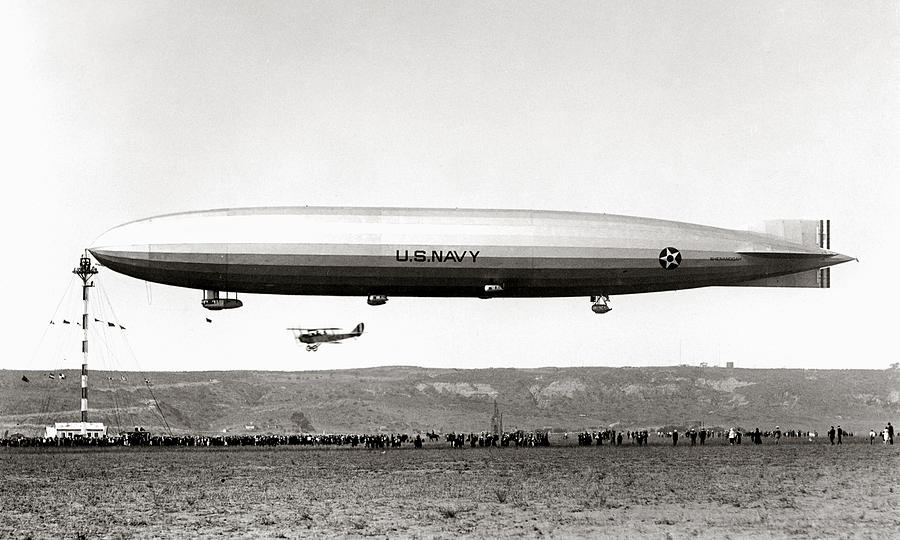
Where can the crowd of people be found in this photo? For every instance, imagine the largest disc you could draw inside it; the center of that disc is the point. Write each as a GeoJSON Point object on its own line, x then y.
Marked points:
{"type": "Point", "coordinates": [485, 439]}
{"type": "Point", "coordinates": [733, 435]}
{"type": "Point", "coordinates": [887, 435]}
{"type": "Point", "coordinates": [145, 438]}
{"type": "Point", "coordinates": [520, 438]}
{"type": "Point", "coordinates": [611, 437]}
{"type": "Point", "coordinates": [140, 437]}
{"type": "Point", "coordinates": [694, 435]}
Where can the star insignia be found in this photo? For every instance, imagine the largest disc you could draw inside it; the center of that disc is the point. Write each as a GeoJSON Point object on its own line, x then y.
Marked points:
{"type": "Point", "coordinates": [669, 258]}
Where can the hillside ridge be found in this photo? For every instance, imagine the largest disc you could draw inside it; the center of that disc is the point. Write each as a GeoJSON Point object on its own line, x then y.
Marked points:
{"type": "Point", "coordinates": [409, 398]}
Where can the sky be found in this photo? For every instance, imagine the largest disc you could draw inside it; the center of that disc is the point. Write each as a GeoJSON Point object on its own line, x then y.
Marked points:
{"type": "Point", "coordinates": [704, 112]}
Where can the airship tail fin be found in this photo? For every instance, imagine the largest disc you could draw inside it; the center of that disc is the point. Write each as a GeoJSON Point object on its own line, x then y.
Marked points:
{"type": "Point", "coordinates": [806, 232]}
{"type": "Point", "coordinates": [810, 279]}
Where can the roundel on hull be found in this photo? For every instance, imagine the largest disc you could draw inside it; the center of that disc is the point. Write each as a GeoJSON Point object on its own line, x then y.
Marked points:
{"type": "Point", "coordinates": [669, 258]}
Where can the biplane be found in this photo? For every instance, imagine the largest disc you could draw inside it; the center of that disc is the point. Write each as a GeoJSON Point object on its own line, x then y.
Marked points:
{"type": "Point", "coordinates": [313, 337]}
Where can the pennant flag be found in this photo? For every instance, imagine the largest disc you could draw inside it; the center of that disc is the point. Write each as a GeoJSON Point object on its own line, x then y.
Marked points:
{"type": "Point", "coordinates": [62, 375]}
{"type": "Point", "coordinates": [66, 322]}
{"type": "Point", "coordinates": [97, 320]}
{"type": "Point", "coordinates": [122, 327]}
{"type": "Point", "coordinates": [51, 322]}
{"type": "Point", "coordinates": [51, 376]}
{"type": "Point", "coordinates": [78, 323]}
{"type": "Point", "coordinates": [124, 378]}
{"type": "Point", "coordinates": [25, 379]}
{"type": "Point", "coordinates": [208, 319]}
{"type": "Point", "coordinates": [110, 324]}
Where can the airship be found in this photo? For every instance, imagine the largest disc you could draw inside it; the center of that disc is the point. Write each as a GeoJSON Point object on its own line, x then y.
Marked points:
{"type": "Point", "coordinates": [378, 253]}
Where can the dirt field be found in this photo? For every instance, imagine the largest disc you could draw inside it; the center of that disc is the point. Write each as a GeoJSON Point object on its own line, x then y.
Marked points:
{"type": "Point", "coordinates": [798, 490]}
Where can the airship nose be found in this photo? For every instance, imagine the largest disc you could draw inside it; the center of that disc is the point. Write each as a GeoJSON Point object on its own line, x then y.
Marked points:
{"type": "Point", "coordinates": [103, 256]}
{"type": "Point", "coordinates": [119, 247]}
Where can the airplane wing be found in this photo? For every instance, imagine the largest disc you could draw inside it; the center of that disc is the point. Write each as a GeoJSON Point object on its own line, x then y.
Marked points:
{"type": "Point", "coordinates": [311, 329]}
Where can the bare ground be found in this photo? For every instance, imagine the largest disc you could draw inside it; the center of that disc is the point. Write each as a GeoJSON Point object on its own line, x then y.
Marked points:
{"type": "Point", "coordinates": [792, 490]}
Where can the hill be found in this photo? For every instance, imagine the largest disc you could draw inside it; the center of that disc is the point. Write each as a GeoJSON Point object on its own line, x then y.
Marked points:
{"type": "Point", "coordinates": [406, 399]}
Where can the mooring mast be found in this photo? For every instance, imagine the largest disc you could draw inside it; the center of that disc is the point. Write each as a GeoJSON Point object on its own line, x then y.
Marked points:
{"type": "Point", "coordinates": [85, 271]}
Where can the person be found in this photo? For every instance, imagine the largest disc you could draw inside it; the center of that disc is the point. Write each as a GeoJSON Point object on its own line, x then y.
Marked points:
{"type": "Point", "coordinates": [674, 437]}
{"type": "Point", "coordinates": [884, 435]}
{"type": "Point", "coordinates": [693, 435]}
{"type": "Point", "coordinates": [757, 437]}
{"type": "Point", "coordinates": [890, 430]}
{"type": "Point", "coordinates": [702, 437]}
{"type": "Point", "coordinates": [731, 435]}
{"type": "Point", "coordinates": [840, 433]}
{"type": "Point", "coordinates": [831, 434]}
{"type": "Point", "coordinates": [872, 436]}
{"type": "Point", "coordinates": [777, 434]}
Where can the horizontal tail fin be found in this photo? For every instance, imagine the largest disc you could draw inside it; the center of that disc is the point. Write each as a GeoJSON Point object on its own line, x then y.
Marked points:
{"type": "Point", "coordinates": [811, 279]}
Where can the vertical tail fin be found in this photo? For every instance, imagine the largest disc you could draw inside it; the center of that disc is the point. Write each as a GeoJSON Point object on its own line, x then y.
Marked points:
{"type": "Point", "coordinates": [824, 235]}
{"type": "Point", "coordinates": [806, 232]}
{"type": "Point", "coordinates": [359, 329]}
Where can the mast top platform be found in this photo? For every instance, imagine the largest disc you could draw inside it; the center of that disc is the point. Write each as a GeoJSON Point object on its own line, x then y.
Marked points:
{"type": "Point", "coordinates": [85, 270]}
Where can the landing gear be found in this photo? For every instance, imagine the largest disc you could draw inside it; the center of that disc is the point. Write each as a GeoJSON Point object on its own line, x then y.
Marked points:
{"type": "Point", "coordinates": [601, 305]}
{"type": "Point", "coordinates": [312, 348]}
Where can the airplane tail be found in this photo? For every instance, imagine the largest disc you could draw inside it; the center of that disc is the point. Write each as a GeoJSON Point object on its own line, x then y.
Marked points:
{"type": "Point", "coordinates": [806, 232]}
{"type": "Point", "coordinates": [359, 329]}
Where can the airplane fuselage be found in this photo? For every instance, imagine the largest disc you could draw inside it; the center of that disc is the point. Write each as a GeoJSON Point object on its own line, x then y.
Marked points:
{"type": "Point", "coordinates": [324, 338]}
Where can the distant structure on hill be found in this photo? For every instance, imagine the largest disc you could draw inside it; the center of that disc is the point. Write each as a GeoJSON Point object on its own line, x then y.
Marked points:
{"type": "Point", "coordinates": [497, 420]}
{"type": "Point", "coordinates": [729, 364]}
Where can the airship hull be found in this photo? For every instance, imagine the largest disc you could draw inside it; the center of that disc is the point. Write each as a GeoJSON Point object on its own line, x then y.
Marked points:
{"type": "Point", "coordinates": [444, 253]}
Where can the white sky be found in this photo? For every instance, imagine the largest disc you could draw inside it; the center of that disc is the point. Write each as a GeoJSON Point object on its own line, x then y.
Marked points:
{"type": "Point", "coordinates": [712, 113]}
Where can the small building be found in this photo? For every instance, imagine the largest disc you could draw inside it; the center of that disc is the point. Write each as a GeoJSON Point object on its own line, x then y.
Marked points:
{"type": "Point", "coordinates": [729, 364]}
{"type": "Point", "coordinates": [67, 430]}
